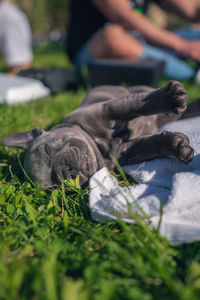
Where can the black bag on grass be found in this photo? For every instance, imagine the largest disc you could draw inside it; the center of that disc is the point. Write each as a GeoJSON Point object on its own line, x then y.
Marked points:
{"type": "Point", "coordinates": [56, 79]}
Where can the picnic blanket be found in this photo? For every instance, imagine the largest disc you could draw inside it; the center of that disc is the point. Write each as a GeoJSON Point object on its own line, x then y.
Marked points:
{"type": "Point", "coordinates": [164, 184]}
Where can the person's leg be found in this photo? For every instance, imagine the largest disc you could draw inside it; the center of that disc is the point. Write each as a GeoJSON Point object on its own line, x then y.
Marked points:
{"type": "Point", "coordinates": [189, 32]}
{"type": "Point", "coordinates": [113, 41]}
{"type": "Point", "coordinates": [82, 58]}
{"type": "Point", "coordinates": [175, 68]}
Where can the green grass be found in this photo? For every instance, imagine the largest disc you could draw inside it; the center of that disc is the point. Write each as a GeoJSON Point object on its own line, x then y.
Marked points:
{"type": "Point", "coordinates": [51, 249]}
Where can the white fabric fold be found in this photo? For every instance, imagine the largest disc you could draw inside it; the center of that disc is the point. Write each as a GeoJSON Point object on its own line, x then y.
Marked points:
{"type": "Point", "coordinates": [165, 182]}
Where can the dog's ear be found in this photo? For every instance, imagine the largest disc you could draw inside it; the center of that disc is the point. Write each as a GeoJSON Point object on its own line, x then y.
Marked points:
{"type": "Point", "coordinates": [22, 139]}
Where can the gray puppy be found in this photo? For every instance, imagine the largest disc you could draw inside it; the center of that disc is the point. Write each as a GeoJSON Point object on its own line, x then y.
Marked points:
{"type": "Point", "coordinates": [111, 120]}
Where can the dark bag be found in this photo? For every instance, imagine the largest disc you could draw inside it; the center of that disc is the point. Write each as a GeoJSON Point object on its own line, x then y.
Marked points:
{"type": "Point", "coordinates": [57, 79]}
{"type": "Point", "coordinates": [145, 71]}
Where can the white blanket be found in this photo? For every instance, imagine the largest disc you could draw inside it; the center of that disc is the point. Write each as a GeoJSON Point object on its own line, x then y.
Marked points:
{"type": "Point", "coordinates": [162, 184]}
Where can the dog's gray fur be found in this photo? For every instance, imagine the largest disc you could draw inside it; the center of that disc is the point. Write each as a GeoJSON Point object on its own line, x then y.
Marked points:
{"type": "Point", "coordinates": [111, 120]}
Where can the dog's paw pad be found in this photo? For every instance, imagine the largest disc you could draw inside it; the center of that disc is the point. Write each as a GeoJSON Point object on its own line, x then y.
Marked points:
{"type": "Point", "coordinates": [178, 144]}
{"type": "Point", "coordinates": [181, 147]}
{"type": "Point", "coordinates": [186, 154]}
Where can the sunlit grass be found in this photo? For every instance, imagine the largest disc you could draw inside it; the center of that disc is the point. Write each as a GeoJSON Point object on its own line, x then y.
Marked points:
{"type": "Point", "coordinates": [51, 249]}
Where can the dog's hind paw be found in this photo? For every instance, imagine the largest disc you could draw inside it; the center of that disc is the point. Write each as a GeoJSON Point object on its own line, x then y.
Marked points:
{"type": "Point", "coordinates": [179, 145]}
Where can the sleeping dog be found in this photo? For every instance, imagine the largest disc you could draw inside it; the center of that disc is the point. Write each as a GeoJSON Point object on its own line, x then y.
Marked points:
{"type": "Point", "coordinates": [111, 121]}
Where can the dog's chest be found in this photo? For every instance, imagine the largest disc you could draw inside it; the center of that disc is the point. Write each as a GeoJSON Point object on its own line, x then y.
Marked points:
{"type": "Point", "coordinates": [121, 132]}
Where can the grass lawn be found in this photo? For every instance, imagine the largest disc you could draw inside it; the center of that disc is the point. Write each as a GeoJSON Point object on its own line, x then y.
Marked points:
{"type": "Point", "coordinates": [51, 249]}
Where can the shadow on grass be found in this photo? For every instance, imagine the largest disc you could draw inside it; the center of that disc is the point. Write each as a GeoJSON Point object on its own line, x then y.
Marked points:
{"type": "Point", "coordinates": [9, 167]}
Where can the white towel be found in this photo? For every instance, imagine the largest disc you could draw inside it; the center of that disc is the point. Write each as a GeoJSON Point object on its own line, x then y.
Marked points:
{"type": "Point", "coordinates": [166, 181]}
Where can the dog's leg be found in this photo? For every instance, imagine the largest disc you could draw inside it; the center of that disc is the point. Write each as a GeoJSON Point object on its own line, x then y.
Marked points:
{"type": "Point", "coordinates": [155, 146]}
{"type": "Point", "coordinates": [193, 110]}
{"type": "Point", "coordinates": [169, 99]}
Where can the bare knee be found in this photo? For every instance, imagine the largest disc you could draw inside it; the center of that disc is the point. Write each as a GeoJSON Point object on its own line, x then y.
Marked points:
{"type": "Point", "coordinates": [111, 32]}
{"type": "Point", "coordinates": [105, 42]}
{"type": "Point", "coordinates": [114, 41]}
{"type": "Point", "coordinates": [112, 36]}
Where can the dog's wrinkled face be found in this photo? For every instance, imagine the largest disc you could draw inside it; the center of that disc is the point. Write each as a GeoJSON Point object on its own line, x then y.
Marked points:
{"type": "Point", "coordinates": [55, 155]}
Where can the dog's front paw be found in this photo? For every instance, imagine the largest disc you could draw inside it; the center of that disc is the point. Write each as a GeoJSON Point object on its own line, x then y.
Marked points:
{"type": "Point", "coordinates": [174, 96]}
{"type": "Point", "coordinates": [179, 145]}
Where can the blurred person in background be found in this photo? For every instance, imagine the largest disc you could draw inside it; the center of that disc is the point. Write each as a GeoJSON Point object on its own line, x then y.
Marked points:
{"type": "Point", "coordinates": [15, 37]}
{"type": "Point", "coordinates": [120, 29]}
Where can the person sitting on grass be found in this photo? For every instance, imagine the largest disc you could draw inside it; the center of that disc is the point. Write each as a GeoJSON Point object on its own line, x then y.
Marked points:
{"type": "Point", "coordinates": [120, 29]}
{"type": "Point", "coordinates": [15, 38]}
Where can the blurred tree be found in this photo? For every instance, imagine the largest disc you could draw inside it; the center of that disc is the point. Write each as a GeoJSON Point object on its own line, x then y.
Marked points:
{"type": "Point", "coordinates": [45, 15]}
{"type": "Point", "coordinates": [58, 13]}
{"type": "Point", "coordinates": [48, 15]}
